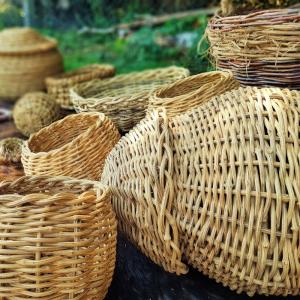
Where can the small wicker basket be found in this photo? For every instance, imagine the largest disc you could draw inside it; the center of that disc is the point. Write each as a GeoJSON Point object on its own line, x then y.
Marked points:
{"type": "Point", "coordinates": [124, 98]}
{"type": "Point", "coordinates": [58, 239]}
{"type": "Point", "coordinates": [75, 146]}
{"type": "Point", "coordinates": [59, 86]}
{"type": "Point", "coordinates": [190, 92]}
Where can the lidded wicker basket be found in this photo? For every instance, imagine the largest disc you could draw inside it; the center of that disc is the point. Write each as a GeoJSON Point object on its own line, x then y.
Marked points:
{"type": "Point", "coordinates": [124, 98]}
{"type": "Point", "coordinates": [190, 92]}
{"type": "Point", "coordinates": [58, 239]}
{"type": "Point", "coordinates": [75, 146]}
{"type": "Point", "coordinates": [26, 59]}
{"type": "Point", "coordinates": [59, 86]}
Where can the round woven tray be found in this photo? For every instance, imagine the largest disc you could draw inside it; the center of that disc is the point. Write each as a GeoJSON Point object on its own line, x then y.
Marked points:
{"type": "Point", "coordinates": [124, 98]}
{"type": "Point", "coordinates": [261, 48]}
{"type": "Point", "coordinates": [191, 91]}
{"type": "Point", "coordinates": [58, 239]}
{"type": "Point", "coordinates": [75, 146]}
{"type": "Point", "coordinates": [59, 86]}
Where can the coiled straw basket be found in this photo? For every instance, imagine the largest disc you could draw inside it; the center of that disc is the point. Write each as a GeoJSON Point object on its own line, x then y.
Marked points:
{"type": "Point", "coordinates": [261, 49]}
{"type": "Point", "coordinates": [190, 92]}
{"type": "Point", "coordinates": [57, 237]}
{"type": "Point", "coordinates": [59, 86]}
{"type": "Point", "coordinates": [124, 98]}
{"type": "Point", "coordinates": [75, 146]}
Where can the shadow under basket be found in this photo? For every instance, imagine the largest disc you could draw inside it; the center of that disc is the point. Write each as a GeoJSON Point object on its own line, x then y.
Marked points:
{"type": "Point", "coordinates": [75, 146]}
{"type": "Point", "coordinates": [58, 239]}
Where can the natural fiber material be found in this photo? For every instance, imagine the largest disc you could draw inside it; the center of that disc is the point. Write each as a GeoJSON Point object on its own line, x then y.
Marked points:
{"type": "Point", "coordinates": [11, 149]}
{"type": "Point", "coordinates": [237, 188]}
{"type": "Point", "coordinates": [59, 86]}
{"type": "Point", "coordinates": [260, 48]}
{"type": "Point", "coordinates": [190, 92]}
{"type": "Point", "coordinates": [26, 59]}
{"type": "Point", "coordinates": [75, 146]}
{"type": "Point", "coordinates": [124, 98]}
{"type": "Point", "coordinates": [35, 111]}
{"type": "Point", "coordinates": [138, 171]}
{"type": "Point", "coordinates": [58, 239]}
{"type": "Point", "coordinates": [10, 171]}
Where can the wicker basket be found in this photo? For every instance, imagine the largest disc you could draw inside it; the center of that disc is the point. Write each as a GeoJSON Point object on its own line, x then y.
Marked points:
{"type": "Point", "coordinates": [26, 59]}
{"type": "Point", "coordinates": [262, 49]}
{"type": "Point", "coordinates": [58, 239]}
{"type": "Point", "coordinates": [59, 86]}
{"type": "Point", "coordinates": [124, 98]}
{"type": "Point", "coordinates": [75, 146]}
{"type": "Point", "coordinates": [191, 91]}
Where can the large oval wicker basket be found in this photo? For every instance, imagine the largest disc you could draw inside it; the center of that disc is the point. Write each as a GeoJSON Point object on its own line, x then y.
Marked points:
{"type": "Point", "coordinates": [59, 86]}
{"type": "Point", "coordinates": [26, 59]}
{"type": "Point", "coordinates": [124, 98]}
{"type": "Point", "coordinates": [75, 146]}
{"type": "Point", "coordinates": [57, 239]}
{"type": "Point", "coordinates": [190, 92]}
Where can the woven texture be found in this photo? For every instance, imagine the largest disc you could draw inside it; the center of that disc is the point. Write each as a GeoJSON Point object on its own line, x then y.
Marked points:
{"type": "Point", "coordinates": [75, 146]}
{"type": "Point", "coordinates": [237, 188]}
{"type": "Point", "coordinates": [58, 239]}
{"type": "Point", "coordinates": [59, 86]}
{"type": "Point", "coordinates": [11, 149]}
{"type": "Point", "coordinates": [190, 92]}
{"type": "Point", "coordinates": [261, 49]}
{"type": "Point", "coordinates": [124, 98]}
{"type": "Point", "coordinates": [35, 111]}
{"type": "Point", "coordinates": [138, 171]}
{"type": "Point", "coordinates": [26, 59]}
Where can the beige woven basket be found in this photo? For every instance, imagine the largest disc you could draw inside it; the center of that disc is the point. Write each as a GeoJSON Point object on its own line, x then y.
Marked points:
{"type": "Point", "coordinates": [190, 92]}
{"type": "Point", "coordinates": [58, 239]}
{"type": "Point", "coordinates": [59, 86]}
{"type": "Point", "coordinates": [26, 59]}
{"type": "Point", "coordinates": [124, 98]}
{"type": "Point", "coordinates": [75, 146]}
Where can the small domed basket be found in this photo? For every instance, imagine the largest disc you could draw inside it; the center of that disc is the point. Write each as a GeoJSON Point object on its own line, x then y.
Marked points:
{"type": "Point", "coordinates": [75, 146]}
{"type": "Point", "coordinates": [26, 59]}
{"type": "Point", "coordinates": [124, 98]}
{"type": "Point", "coordinates": [59, 86]}
{"type": "Point", "coordinates": [58, 239]}
{"type": "Point", "coordinates": [190, 92]}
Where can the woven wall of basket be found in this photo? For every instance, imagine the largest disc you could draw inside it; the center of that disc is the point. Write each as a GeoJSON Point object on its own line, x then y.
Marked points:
{"type": "Point", "coordinates": [190, 92]}
{"type": "Point", "coordinates": [237, 188]}
{"type": "Point", "coordinates": [26, 59]}
{"type": "Point", "coordinates": [58, 239]}
{"type": "Point", "coordinates": [124, 98]}
{"type": "Point", "coordinates": [75, 146]}
{"type": "Point", "coordinates": [59, 86]}
{"type": "Point", "coordinates": [261, 49]}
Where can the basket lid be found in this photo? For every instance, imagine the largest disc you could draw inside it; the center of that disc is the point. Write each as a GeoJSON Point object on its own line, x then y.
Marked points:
{"type": "Point", "coordinates": [24, 41]}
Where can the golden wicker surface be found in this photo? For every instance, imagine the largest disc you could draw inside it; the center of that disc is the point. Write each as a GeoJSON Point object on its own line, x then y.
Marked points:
{"type": "Point", "coordinates": [190, 92]}
{"type": "Point", "coordinates": [57, 239]}
{"type": "Point", "coordinates": [261, 48]}
{"type": "Point", "coordinates": [75, 146]}
{"type": "Point", "coordinates": [59, 86]}
{"type": "Point", "coordinates": [124, 98]}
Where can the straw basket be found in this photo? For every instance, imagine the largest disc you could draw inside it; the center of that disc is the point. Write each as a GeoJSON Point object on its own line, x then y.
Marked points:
{"type": "Point", "coordinates": [191, 91]}
{"type": "Point", "coordinates": [124, 98]}
{"type": "Point", "coordinates": [58, 239]}
{"type": "Point", "coordinates": [75, 146]}
{"type": "Point", "coordinates": [26, 59]}
{"type": "Point", "coordinates": [59, 86]}
{"type": "Point", "coordinates": [262, 48]}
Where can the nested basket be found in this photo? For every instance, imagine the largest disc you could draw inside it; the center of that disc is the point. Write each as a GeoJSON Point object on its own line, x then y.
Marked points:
{"type": "Point", "coordinates": [261, 48]}
{"type": "Point", "coordinates": [75, 146]}
{"type": "Point", "coordinates": [59, 86]}
{"type": "Point", "coordinates": [26, 59]}
{"type": "Point", "coordinates": [124, 98]}
{"type": "Point", "coordinates": [58, 239]}
{"type": "Point", "coordinates": [190, 92]}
